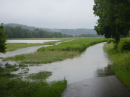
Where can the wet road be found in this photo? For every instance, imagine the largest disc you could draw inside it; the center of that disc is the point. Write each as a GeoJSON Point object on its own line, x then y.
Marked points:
{"type": "Point", "coordinates": [108, 86]}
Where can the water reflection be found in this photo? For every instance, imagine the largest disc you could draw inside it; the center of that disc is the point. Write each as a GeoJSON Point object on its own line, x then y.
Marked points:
{"type": "Point", "coordinates": [106, 71]}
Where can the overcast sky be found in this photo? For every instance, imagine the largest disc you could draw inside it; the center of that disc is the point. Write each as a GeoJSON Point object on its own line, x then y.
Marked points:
{"type": "Point", "coordinates": [49, 13]}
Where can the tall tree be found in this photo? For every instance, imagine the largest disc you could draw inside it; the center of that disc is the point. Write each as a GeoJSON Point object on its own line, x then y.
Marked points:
{"type": "Point", "coordinates": [113, 18]}
{"type": "Point", "coordinates": [2, 39]}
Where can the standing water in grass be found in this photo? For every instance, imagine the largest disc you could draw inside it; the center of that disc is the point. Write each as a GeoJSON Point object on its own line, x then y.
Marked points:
{"type": "Point", "coordinates": [90, 64]}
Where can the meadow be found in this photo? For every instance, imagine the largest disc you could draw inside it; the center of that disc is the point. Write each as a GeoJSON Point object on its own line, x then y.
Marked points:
{"type": "Point", "coordinates": [120, 59]}
{"type": "Point", "coordinates": [57, 52]}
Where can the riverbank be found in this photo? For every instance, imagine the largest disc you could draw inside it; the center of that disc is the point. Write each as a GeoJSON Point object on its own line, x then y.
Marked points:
{"type": "Point", "coordinates": [121, 63]}
{"type": "Point", "coordinates": [57, 52]}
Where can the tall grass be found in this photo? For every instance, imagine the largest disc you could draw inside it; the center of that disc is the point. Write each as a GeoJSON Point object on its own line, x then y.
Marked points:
{"type": "Point", "coordinates": [121, 63]}
{"type": "Point", "coordinates": [75, 45]}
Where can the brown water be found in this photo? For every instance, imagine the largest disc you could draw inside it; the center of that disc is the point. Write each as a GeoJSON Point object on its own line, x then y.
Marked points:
{"type": "Point", "coordinates": [90, 64]}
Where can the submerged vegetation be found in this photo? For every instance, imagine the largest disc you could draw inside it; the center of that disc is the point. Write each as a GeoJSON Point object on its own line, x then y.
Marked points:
{"type": "Point", "coordinates": [57, 52]}
{"type": "Point", "coordinates": [40, 75]}
{"type": "Point", "coordinates": [15, 46]}
{"type": "Point", "coordinates": [120, 59]}
{"type": "Point", "coordinates": [12, 86]}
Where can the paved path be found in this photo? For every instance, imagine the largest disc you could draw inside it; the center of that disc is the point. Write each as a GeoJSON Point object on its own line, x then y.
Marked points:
{"type": "Point", "coordinates": [108, 86]}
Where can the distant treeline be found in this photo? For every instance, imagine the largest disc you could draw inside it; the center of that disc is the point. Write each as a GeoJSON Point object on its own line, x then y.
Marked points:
{"type": "Point", "coordinates": [18, 32]}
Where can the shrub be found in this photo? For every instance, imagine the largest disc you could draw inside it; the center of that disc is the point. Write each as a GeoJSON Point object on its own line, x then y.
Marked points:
{"type": "Point", "coordinates": [124, 44]}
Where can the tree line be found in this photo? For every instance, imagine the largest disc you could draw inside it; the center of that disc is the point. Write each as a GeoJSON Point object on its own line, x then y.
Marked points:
{"type": "Point", "coordinates": [114, 18]}
{"type": "Point", "coordinates": [18, 32]}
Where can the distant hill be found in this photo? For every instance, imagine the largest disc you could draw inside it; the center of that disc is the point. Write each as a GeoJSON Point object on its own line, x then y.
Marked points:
{"type": "Point", "coordinates": [64, 31]}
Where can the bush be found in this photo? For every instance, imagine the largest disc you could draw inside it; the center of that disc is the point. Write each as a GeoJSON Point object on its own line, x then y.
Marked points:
{"type": "Point", "coordinates": [109, 40]}
{"type": "Point", "coordinates": [124, 44]}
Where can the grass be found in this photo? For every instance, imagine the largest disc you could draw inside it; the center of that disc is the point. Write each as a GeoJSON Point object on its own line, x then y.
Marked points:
{"type": "Point", "coordinates": [11, 86]}
{"type": "Point", "coordinates": [43, 57]}
{"type": "Point", "coordinates": [15, 46]}
{"type": "Point", "coordinates": [19, 88]}
{"type": "Point", "coordinates": [40, 75]}
{"type": "Point", "coordinates": [57, 52]}
{"type": "Point", "coordinates": [121, 63]}
{"type": "Point", "coordinates": [76, 45]}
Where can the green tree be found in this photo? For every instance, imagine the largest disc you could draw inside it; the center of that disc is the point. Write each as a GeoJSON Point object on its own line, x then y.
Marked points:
{"type": "Point", "coordinates": [113, 18]}
{"type": "Point", "coordinates": [2, 39]}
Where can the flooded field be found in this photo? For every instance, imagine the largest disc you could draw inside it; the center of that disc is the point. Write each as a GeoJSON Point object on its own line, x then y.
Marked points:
{"type": "Point", "coordinates": [28, 41]}
{"type": "Point", "coordinates": [90, 64]}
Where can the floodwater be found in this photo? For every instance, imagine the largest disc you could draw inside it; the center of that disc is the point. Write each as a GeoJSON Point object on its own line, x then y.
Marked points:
{"type": "Point", "coordinates": [21, 51]}
{"type": "Point", "coordinates": [29, 41]}
{"type": "Point", "coordinates": [90, 64]}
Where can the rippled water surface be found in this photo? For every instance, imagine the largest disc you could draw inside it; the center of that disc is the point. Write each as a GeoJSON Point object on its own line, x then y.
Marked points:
{"type": "Point", "coordinates": [90, 64]}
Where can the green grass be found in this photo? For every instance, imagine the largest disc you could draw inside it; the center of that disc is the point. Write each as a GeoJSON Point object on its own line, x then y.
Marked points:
{"type": "Point", "coordinates": [76, 45]}
{"type": "Point", "coordinates": [12, 86]}
{"type": "Point", "coordinates": [57, 52]}
{"type": "Point", "coordinates": [121, 63]}
{"type": "Point", "coordinates": [43, 57]}
{"type": "Point", "coordinates": [19, 88]}
{"type": "Point", "coordinates": [40, 75]}
{"type": "Point", "coordinates": [15, 46]}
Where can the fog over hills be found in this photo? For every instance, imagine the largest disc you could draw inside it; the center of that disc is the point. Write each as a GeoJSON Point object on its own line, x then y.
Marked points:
{"type": "Point", "coordinates": [64, 31]}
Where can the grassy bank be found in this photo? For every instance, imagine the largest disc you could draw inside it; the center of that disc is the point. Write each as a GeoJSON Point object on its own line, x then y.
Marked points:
{"type": "Point", "coordinates": [15, 46]}
{"type": "Point", "coordinates": [43, 57]}
{"type": "Point", "coordinates": [76, 45]}
{"type": "Point", "coordinates": [12, 86]}
{"type": "Point", "coordinates": [121, 63]}
{"type": "Point", "coordinates": [57, 52]}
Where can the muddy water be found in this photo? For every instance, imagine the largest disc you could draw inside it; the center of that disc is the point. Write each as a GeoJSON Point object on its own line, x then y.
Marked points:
{"type": "Point", "coordinates": [90, 64]}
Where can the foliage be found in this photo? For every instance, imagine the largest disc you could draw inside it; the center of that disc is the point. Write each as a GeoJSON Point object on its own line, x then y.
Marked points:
{"type": "Point", "coordinates": [121, 63]}
{"type": "Point", "coordinates": [18, 32]}
{"type": "Point", "coordinates": [123, 45]}
{"type": "Point", "coordinates": [76, 45]}
{"type": "Point", "coordinates": [113, 18]}
{"type": "Point", "coordinates": [109, 40]}
{"type": "Point", "coordinates": [2, 39]}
